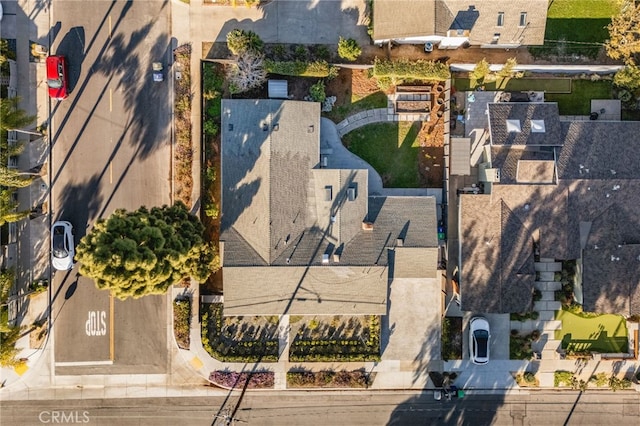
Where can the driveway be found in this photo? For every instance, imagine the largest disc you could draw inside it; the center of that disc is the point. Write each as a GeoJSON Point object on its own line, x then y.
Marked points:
{"type": "Point", "coordinates": [499, 325]}
{"type": "Point", "coordinates": [411, 333]}
{"type": "Point", "coordinates": [286, 21]}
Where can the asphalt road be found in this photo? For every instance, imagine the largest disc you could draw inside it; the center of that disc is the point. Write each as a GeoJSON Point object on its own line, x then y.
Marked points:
{"type": "Point", "coordinates": [337, 408]}
{"type": "Point", "coordinates": [110, 149]}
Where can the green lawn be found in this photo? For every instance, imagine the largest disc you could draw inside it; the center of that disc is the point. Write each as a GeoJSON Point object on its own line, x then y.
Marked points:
{"type": "Point", "coordinates": [549, 85]}
{"type": "Point", "coordinates": [604, 333]}
{"type": "Point", "coordinates": [357, 104]}
{"type": "Point", "coordinates": [391, 149]}
{"type": "Point", "coordinates": [576, 27]}
{"type": "Point", "coordinates": [578, 102]}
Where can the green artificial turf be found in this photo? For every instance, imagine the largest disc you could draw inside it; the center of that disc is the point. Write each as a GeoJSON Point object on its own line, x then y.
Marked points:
{"type": "Point", "coordinates": [549, 85]}
{"type": "Point", "coordinates": [605, 333]}
{"type": "Point", "coordinates": [578, 102]}
{"type": "Point", "coordinates": [391, 149]}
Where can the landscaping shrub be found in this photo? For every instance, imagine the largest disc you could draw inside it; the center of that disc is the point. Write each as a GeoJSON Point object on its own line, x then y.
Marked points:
{"type": "Point", "coordinates": [328, 379]}
{"type": "Point", "coordinates": [316, 92]}
{"type": "Point", "coordinates": [349, 49]}
{"type": "Point", "coordinates": [248, 73]}
{"type": "Point", "coordinates": [562, 377]}
{"type": "Point", "coordinates": [301, 68]}
{"type": "Point", "coordinates": [600, 379]}
{"type": "Point", "coordinates": [404, 69]}
{"type": "Point", "coordinates": [480, 71]}
{"type": "Point", "coordinates": [451, 338]}
{"type": "Point", "coordinates": [232, 379]}
{"type": "Point", "coordinates": [529, 378]}
{"type": "Point", "coordinates": [182, 322]}
{"type": "Point", "coordinates": [617, 384]}
{"type": "Point", "coordinates": [241, 41]}
{"type": "Point", "coordinates": [520, 346]}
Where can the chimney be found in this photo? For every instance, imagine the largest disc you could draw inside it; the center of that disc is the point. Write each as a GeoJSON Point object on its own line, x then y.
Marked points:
{"type": "Point", "coordinates": [367, 226]}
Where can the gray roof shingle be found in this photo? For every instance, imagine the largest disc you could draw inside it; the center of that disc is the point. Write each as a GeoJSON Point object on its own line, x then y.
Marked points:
{"type": "Point", "coordinates": [524, 112]}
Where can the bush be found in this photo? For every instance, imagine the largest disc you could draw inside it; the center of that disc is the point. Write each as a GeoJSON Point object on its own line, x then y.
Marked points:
{"type": "Point", "coordinates": [231, 379]}
{"type": "Point", "coordinates": [241, 41]}
{"type": "Point", "coordinates": [600, 379]}
{"type": "Point", "coordinates": [248, 73]}
{"type": "Point", "coordinates": [182, 322]}
{"type": "Point", "coordinates": [300, 53]}
{"type": "Point", "coordinates": [529, 378]}
{"type": "Point", "coordinates": [316, 92]}
{"type": "Point", "coordinates": [210, 127]}
{"type": "Point", "coordinates": [348, 49]}
{"type": "Point", "coordinates": [404, 69]}
{"type": "Point", "coordinates": [301, 68]}
{"type": "Point", "coordinates": [562, 377]}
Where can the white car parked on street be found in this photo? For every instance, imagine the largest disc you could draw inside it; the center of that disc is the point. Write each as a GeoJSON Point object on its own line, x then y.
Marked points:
{"type": "Point", "coordinates": [62, 248]}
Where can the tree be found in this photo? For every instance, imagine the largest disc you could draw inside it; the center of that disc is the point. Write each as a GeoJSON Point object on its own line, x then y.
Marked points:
{"type": "Point", "coordinates": [240, 41]}
{"type": "Point", "coordinates": [316, 92]}
{"type": "Point", "coordinates": [348, 49]}
{"type": "Point", "coordinates": [12, 117]}
{"type": "Point", "coordinates": [481, 70]}
{"type": "Point", "coordinates": [133, 254]}
{"type": "Point", "coordinates": [14, 178]}
{"type": "Point", "coordinates": [7, 208]}
{"type": "Point", "coordinates": [628, 77]}
{"type": "Point", "coordinates": [624, 33]}
{"type": "Point", "coordinates": [248, 73]}
{"type": "Point", "coordinates": [507, 68]}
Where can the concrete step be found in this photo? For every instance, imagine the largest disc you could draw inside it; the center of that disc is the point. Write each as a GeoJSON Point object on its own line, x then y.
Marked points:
{"type": "Point", "coordinates": [554, 267]}
{"type": "Point", "coordinates": [547, 276]}
{"type": "Point", "coordinates": [552, 325]}
{"type": "Point", "coordinates": [547, 285]}
{"type": "Point", "coordinates": [554, 306]}
{"type": "Point", "coordinates": [546, 315]}
{"type": "Point", "coordinates": [548, 296]}
{"type": "Point", "coordinates": [547, 260]}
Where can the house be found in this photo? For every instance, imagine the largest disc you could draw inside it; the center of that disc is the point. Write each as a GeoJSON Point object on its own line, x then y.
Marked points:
{"type": "Point", "coordinates": [298, 237]}
{"type": "Point", "coordinates": [566, 189]}
{"type": "Point", "coordinates": [450, 24]}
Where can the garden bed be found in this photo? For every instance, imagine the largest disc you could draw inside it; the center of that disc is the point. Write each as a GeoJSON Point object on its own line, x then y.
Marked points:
{"type": "Point", "coordinates": [337, 338]}
{"type": "Point", "coordinates": [182, 122]}
{"type": "Point", "coordinates": [520, 345]}
{"type": "Point", "coordinates": [238, 339]}
{"type": "Point", "coordinates": [452, 338]}
{"type": "Point", "coordinates": [329, 379]}
{"type": "Point", "coordinates": [182, 322]}
{"type": "Point", "coordinates": [249, 380]}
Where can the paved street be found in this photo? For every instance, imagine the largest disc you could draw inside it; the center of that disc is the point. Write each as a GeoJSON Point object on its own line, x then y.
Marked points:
{"type": "Point", "coordinates": [111, 149]}
{"type": "Point", "coordinates": [337, 408]}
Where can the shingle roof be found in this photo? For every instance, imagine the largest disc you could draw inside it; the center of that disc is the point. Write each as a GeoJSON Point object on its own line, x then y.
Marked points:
{"type": "Point", "coordinates": [393, 19]}
{"type": "Point", "coordinates": [299, 290]}
{"type": "Point", "coordinates": [507, 160]}
{"type": "Point", "coordinates": [396, 19]}
{"type": "Point", "coordinates": [282, 214]}
{"type": "Point", "coordinates": [600, 150]}
{"type": "Point", "coordinates": [524, 112]}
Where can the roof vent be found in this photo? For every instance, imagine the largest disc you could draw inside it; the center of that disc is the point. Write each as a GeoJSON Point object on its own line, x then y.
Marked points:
{"type": "Point", "coordinates": [513, 126]}
{"type": "Point", "coordinates": [230, 127]}
{"type": "Point", "coordinates": [333, 219]}
{"type": "Point", "coordinates": [310, 129]}
{"type": "Point", "coordinates": [367, 226]}
{"type": "Point", "coordinates": [276, 127]}
{"type": "Point", "coordinates": [265, 127]}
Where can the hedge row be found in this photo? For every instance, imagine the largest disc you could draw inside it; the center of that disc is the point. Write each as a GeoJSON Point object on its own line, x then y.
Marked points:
{"type": "Point", "coordinates": [301, 68]}
{"type": "Point", "coordinates": [182, 322]}
{"type": "Point", "coordinates": [404, 69]}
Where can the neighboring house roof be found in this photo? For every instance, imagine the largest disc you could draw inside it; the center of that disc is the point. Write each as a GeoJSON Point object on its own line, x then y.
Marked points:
{"type": "Point", "coordinates": [590, 212]}
{"type": "Point", "coordinates": [289, 225]}
{"type": "Point", "coordinates": [398, 19]}
{"type": "Point", "coordinates": [394, 19]}
{"type": "Point", "coordinates": [524, 123]}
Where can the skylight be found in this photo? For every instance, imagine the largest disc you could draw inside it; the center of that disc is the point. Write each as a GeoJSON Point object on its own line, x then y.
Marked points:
{"type": "Point", "coordinates": [513, 126]}
{"type": "Point", "coordinates": [537, 126]}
